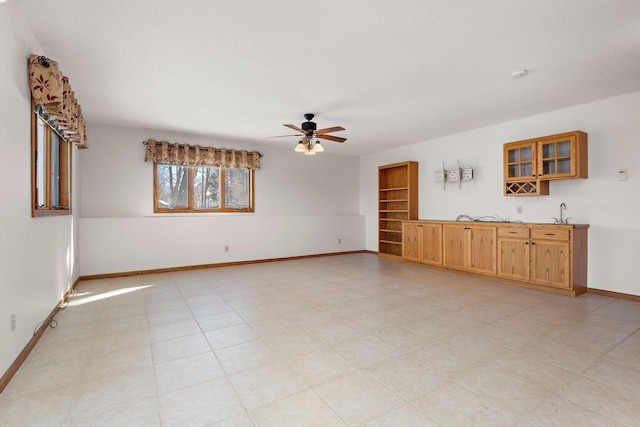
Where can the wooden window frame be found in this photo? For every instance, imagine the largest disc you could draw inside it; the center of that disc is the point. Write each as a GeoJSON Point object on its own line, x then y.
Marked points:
{"type": "Point", "coordinates": [190, 208]}
{"type": "Point", "coordinates": [65, 159]}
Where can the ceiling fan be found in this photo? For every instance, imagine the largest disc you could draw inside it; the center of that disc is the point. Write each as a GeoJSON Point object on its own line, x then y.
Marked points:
{"type": "Point", "coordinates": [309, 143]}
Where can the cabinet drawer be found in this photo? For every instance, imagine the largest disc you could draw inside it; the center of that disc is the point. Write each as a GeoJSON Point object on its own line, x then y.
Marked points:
{"type": "Point", "coordinates": [513, 232]}
{"type": "Point", "coordinates": [547, 234]}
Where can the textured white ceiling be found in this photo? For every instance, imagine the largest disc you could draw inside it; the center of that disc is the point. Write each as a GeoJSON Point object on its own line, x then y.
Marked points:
{"type": "Point", "coordinates": [390, 72]}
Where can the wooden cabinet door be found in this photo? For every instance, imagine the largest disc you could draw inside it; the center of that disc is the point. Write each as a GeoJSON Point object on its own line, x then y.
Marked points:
{"type": "Point", "coordinates": [411, 241]}
{"type": "Point", "coordinates": [455, 246]}
{"type": "Point", "coordinates": [551, 263]}
{"type": "Point", "coordinates": [513, 258]}
{"type": "Point", "coordinates": [520, 161]}
{"type": "Point", "coordinates": [431, 244]}
{"type": "Point", "coordinates": [557, 158]}
{"type": "Point", "coordinates": [482, 249]}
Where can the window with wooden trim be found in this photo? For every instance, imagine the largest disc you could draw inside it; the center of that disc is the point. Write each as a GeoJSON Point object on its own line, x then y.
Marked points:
{"type": "Point", "coordinates": [180, 189]}
{"type": "Point", "coordinates": [50, 170]}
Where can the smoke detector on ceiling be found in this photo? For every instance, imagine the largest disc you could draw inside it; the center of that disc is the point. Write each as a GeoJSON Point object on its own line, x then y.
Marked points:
{"type": "Point", "coordinates": [518, 74]}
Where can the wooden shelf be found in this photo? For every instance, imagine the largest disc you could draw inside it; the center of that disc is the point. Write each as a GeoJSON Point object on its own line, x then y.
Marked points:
{"type": "Point", "coordinates": [398, 188]}
{"type": "Point", "coordinates": [391, 242]}
{"type": "Point", "coordinates": [394, 189]}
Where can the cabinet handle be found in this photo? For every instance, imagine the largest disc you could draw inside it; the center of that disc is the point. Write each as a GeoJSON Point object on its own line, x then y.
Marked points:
{"type": "Point", "coordinates": [526, 243]}
{"type": "Point", "coordinates": [549, 234]}
{"type": "Point", "coordinates": [513, 232]}
{"type": "Point", "coordinates": [533, 243]}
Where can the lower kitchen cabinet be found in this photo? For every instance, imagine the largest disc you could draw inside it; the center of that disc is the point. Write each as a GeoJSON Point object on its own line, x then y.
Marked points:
{"type": "Point", "coordinates": [422, 242]}
{"type": "Point", "coordinates": [541, 254]}
{"type": "Point", "coordinates": [550, 257]}
{"type": "Point", "coordinates": [455, 248]}
{"type": "Point", "coordinates": [470, 247]}
{"type": "Point", "coordinates": [551, 263]}
{"type": "Point", "coordinates": [514, 253]}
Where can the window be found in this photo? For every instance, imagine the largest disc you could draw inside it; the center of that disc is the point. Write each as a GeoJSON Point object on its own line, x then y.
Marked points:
{"type": "Point", "coordinates": [202, 189]}
{"type": "Point", "coordinates": [51, 170]}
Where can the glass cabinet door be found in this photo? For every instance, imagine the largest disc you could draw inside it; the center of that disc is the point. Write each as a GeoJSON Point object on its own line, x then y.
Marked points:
{"type": "Point", "coordinates": [556, 158]}
{"type": "Point", "coordinates": [520, 161]}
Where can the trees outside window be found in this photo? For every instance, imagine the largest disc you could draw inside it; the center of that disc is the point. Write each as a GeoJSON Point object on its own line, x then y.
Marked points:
{"type": "Point", "coordinates": [202, 189]}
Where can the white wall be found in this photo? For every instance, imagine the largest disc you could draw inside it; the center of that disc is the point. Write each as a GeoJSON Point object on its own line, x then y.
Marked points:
{"type": "Point", "coordinates": [37, 255]}
{"type": "Point", "coordinates": [303, 205]}
{"type": "Point", "coordinates": [609, 206]}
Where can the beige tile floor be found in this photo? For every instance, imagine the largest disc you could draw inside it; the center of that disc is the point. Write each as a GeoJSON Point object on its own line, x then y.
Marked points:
{"type": "Point", "coordinates": [342, 340]}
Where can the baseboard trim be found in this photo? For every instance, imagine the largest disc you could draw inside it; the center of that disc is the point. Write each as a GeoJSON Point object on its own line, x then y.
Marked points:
{"type": "Point", "coordinates": [8, 375]}
{"type": "Point", "coordinates": [612, 294]}
{"type": "Point", "coordinates": [215, 265]}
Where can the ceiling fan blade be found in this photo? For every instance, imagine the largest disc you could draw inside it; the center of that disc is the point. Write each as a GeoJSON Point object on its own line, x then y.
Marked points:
{"type": "Point", "coordinates": [296, 128]}
{"type": "Point", "coordinates": [283, 136]}
{"type": "Point", "coordinates": [329, 130]}
{"type": "Point", "coordinates": [332, 138]}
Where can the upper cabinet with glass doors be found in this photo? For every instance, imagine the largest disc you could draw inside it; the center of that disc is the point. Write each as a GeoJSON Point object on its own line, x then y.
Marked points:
{"type": "Point", "coordinates": [529, 165]}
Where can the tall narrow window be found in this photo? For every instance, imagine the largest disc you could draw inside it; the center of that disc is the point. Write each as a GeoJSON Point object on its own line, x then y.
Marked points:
{"type": "Point", "coordinates": [206, 188]}
{"type": "Point", "coordinates": [236, 188]}
{"type": "Point", "coordinates": [51, 170]}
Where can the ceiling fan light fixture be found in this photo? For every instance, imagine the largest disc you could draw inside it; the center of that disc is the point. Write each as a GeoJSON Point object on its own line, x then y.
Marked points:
{"type": "Point", "coordinates": [309, 142]}
{"type": "Point", "coordinates": [300, 148]}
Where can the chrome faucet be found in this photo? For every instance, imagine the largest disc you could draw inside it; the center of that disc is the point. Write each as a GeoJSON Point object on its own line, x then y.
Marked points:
{"type": "Point", "coordinates": [562, 219]}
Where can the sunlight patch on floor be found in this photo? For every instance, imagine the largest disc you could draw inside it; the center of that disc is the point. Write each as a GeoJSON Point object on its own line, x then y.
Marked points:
{"type": "Point", "coordinates": [89, 297]}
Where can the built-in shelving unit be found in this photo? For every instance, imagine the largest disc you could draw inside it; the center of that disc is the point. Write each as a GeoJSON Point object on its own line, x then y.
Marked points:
{"type": "Point", "coordinates": [397, 201]}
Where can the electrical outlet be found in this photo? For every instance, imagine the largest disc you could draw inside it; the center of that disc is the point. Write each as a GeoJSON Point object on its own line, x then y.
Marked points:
{"type": "Point", "coordinates": [622, 174]}
{"type": "Point", "coordinates": [226, 248]}
{"type": "Point", "coordinates": [339, 240]}
{"type": "Point", "coordinates": [519, 209]}
{"type": "Point", "coordinates": [13, 322]}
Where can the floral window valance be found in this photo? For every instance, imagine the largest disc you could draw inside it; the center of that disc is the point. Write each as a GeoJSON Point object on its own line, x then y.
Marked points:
{"type": "Point", "coordinates": [196, 155]}
{"type": "Point", "coordinates": [55, 101]}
